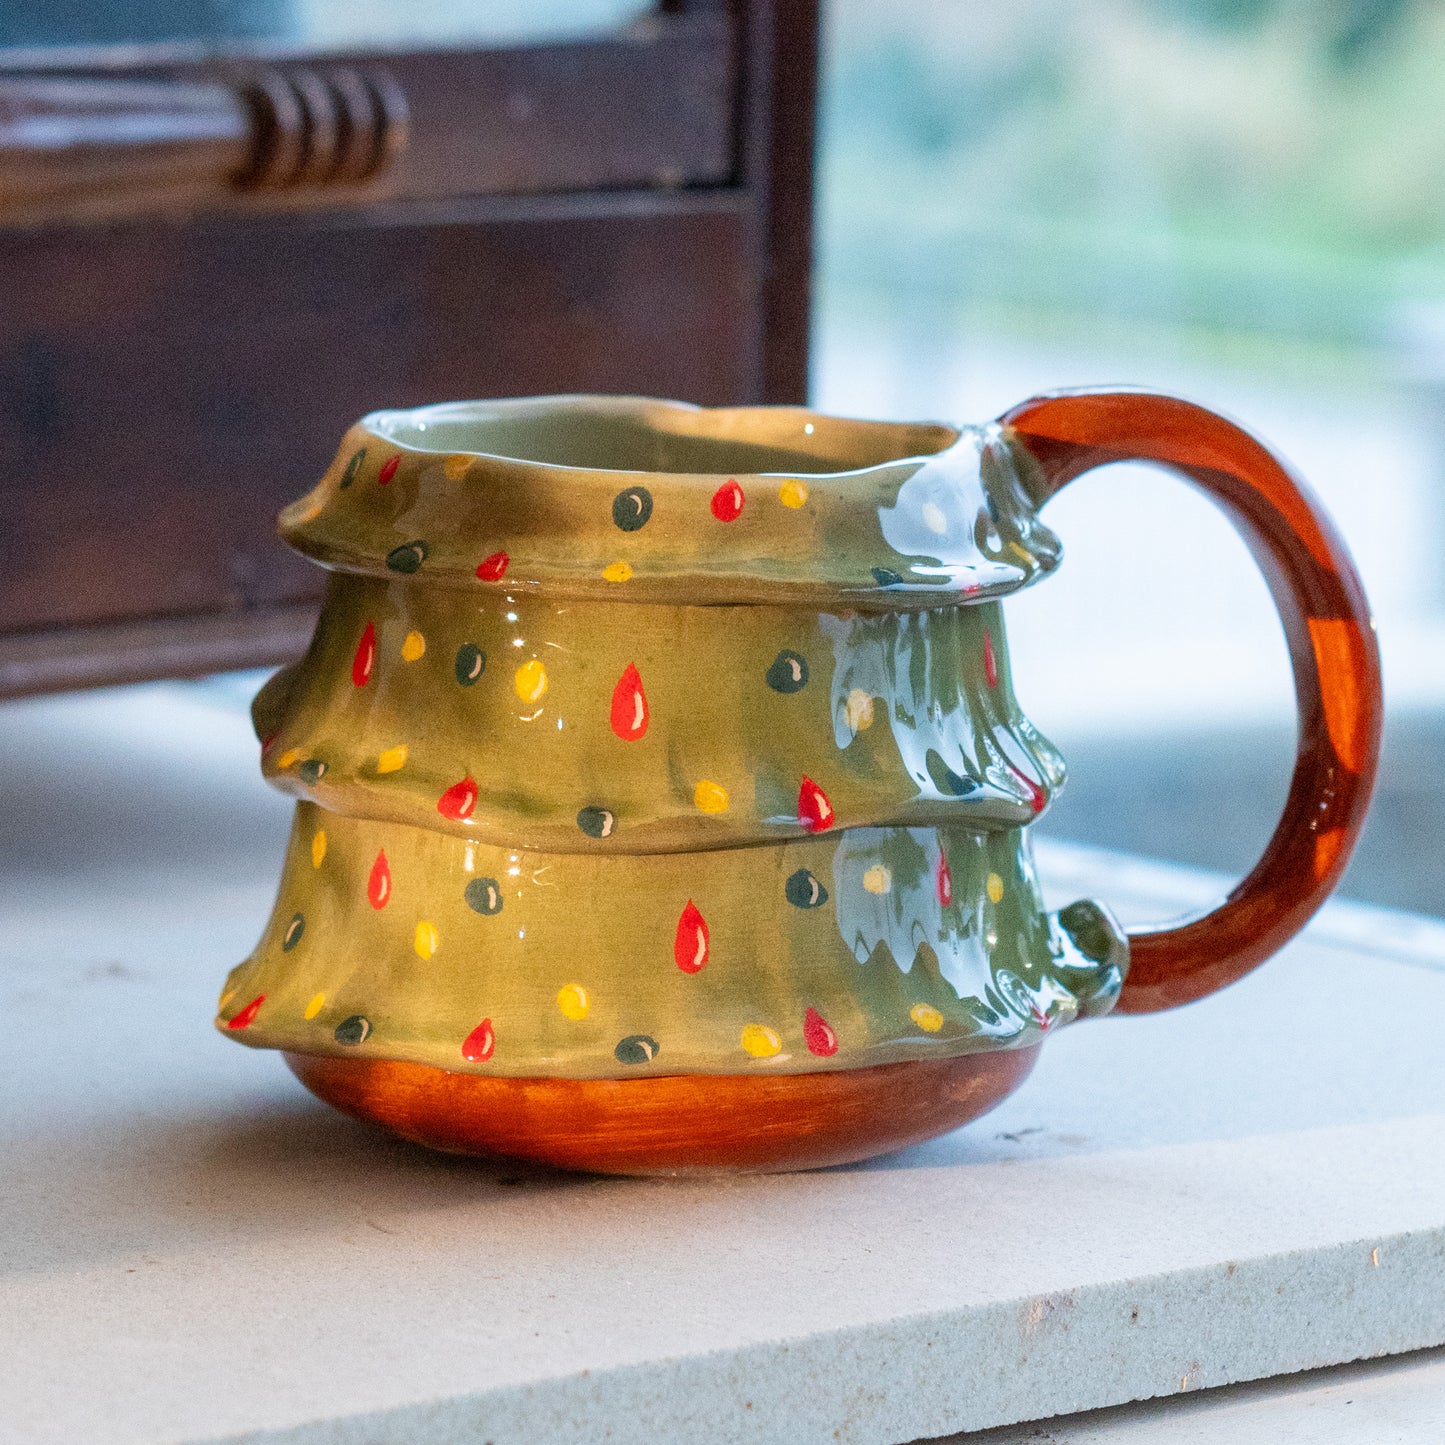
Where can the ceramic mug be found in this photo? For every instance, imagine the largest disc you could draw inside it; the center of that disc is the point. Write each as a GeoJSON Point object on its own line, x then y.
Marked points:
{"type": "Point", "coordinates": [663, 795]}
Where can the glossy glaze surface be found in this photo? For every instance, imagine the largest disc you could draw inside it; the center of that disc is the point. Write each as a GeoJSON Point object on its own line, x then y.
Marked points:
{"type": "Point", "coordinates": [624, 499]}
{"type": "Point", "coordinates": [640, 744]}
{"type": "Point", "coordinates": [1333, 654]}
{"type": "Point", "coordinates": [553, 828]}
{"type": "Point", "coordinates": [675, 1125]}
{"type": "Point", "coordinates": [863, 946]}
{"type": "Point", "coordinates": [690, 727]}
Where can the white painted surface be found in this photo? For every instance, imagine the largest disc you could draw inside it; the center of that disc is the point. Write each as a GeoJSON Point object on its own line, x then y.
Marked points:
{"type": "Point", "coordinates": [191, 1249]}
{"type": "Point", "coordinates": [1380, 1402]}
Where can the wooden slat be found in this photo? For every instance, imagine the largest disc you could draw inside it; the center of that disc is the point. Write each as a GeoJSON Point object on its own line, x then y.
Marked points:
{"type": "Point", "coordinates": [68, 137]}
{"type": "Point", "coordinates": [638, 220]}
{"type": "Point", "coordinates": [68, 658]}
{"type": "Point", "coordinates": [650, 106]}
{"type": "Point", "coordinates": [164, 389]}
{"type": "Point", "coordinates": [779, 45]}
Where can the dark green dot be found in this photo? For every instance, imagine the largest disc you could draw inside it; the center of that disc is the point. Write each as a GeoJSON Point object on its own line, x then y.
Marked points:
{"type": "Point", "coordinates": [352, 467]}
{"type": "Point", "coordinates": [803, 890]}
{"type": "Point", "coordinates": [597, 822]}
{"type": "Point", "coordinates": [1086, 924]}
{"type": "Point", "coordinates": [886, 578]}
{"type": "Point", "coordinates": [353, 1031]}
{"type": "Point", "coordinates": [636, 1049]}
{"type": "Point", "coordinates": [408, 557]}
{"type": "Point", "coordinates": [294, 930]}
{"type": "Point", "coordinates": [949, 783]}
{"type": "Point", "coordinates": [471, 663]}
{"type": "Point", "coordinates": [483, 896]}
{"type": "Point", "coordinates": [312, 771]}
{"type": "Point", "coordinates": [789, 672]}
{"type": "Point", "coordinates": [632, 508]}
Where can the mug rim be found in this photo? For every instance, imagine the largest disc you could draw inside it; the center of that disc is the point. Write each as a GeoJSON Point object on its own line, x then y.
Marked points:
{"type": "Point", "coordinates": [754, 430]}
{"type": "Point", "coordinates": [655, 518]}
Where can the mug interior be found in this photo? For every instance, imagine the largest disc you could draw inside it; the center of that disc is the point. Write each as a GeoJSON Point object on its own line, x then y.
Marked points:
{"type": "Point", "coordinates": [629, 435]}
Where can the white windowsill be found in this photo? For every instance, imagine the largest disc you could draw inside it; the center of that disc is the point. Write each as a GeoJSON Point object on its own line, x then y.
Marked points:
{"type": "Point", "coordinates": [191, 1249]}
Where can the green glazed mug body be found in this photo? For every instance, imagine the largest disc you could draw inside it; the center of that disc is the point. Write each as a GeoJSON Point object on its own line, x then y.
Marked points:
{"type": "Point", "coordinates": [597, 782]}
{"type": "Point", "coordinates": [663, 798]}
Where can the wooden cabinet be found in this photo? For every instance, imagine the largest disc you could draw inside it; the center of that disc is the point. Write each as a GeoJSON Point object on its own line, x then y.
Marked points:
{"type": "Point", "coordinates": [210, 264]}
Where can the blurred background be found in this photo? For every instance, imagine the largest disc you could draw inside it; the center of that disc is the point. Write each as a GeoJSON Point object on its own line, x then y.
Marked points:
{"type": "Point", "coordinates": [323, 24]}
{"type": "Point", "coordinates": [1242, 201]}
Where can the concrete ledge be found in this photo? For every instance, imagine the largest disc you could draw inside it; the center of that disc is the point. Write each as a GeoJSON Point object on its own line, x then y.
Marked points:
{"type": "Point", "coordinates": [192, 1250]}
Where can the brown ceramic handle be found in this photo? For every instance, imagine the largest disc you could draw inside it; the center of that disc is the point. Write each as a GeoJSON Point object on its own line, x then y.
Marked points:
{"type": "Point", "coordinates": [1332, 649]}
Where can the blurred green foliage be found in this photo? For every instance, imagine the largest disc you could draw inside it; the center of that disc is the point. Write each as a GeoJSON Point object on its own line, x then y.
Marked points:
{"type": "Point", "coordinates": [1349, 27]}
{"type": "Point", "coordinates": [1274, 167]}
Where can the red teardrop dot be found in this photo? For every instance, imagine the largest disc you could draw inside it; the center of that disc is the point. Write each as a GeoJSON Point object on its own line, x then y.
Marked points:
{"type": "Point", "coordinates": [629, 706]}
{"type": "Point", "coordinates": [727, 501]}
{"type": "Point", "coordinates": [990, 662]}
{"type": "Point", "coordinates": [494, 568]}
{"type": "Point", "coordinates": [691, 942]}
{"type": "Point", "coordinates": [268, 743]}
{"type": "Point", "coordinates": [388, 468]}
{"type": "Point", "coordinates": [459, 800]}
{"type": "Point", "coordinates": [247, 1016]}
{"type": "Point", "coordinates": [478, 1045]}
{"type": "Point", "coordinates": [361, 664]}
{"type": "Point", "coordinates": [815, 812]}
{"type": "Point", "coordinates": [378, 885]}
{"type": "Point", "coordinates": [944, 880]}
{"type": "Point", "coordinates": [818, 1035]}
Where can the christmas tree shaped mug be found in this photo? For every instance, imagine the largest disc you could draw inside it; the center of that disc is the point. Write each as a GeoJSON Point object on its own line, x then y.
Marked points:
{"type": "Point", "coordinates": [663, 796]}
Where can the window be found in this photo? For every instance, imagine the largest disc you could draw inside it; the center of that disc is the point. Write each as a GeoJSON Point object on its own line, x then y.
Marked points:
{"type": "Point", "coordinates": [1236, 200]}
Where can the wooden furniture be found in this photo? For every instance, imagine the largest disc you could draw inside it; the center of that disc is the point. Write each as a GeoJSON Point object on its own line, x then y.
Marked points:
{"type": "Point", "coordinates": [204, 257]}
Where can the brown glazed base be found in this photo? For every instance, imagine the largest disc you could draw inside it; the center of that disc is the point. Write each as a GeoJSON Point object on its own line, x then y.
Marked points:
{"type": "Point", "coordinates": [676, 1124]}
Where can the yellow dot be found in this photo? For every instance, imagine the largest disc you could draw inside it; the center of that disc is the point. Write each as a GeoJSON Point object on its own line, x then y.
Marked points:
{"type": "Point", "coordinates": [573, 1001]}
{"type": "Point", "coordinates": [760, 1041]}
{"type": "Point", "coordinates": [392, 760]}
{"type": "Point", "coordinates": [878, 879]}
{"type": "Point", "coordinates": [413, 647]}
{"type": "Point", "coordinates": [318, 848]}
{"type": "Point", "coordinates": [617, 571]}
{"type": "Point", "coordinates": [858, 710]}
{"type": "Point", "coordinates": [1020, 552]}
{"type": "Point", "coordinates": [530, 681]}
{"type": "Point", "coordinates": [710, 797]}
{"type": "Point", "coordinates": [289, 758]}
{"type": "Point", "coordinates": [926, 1017]}
{"type": "Point", "coordinates": [457, 467]}
{"type": "Point", "coordinates": [226, 997]}
{"type": "Point", "coordinates": [318, 1002]}
{"type": "Point", "coordinates": [995, 888]}
{"type": "Point", "coordinates": [793, 494]}
{"type": "Point", "coordinates": [426, 939]}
